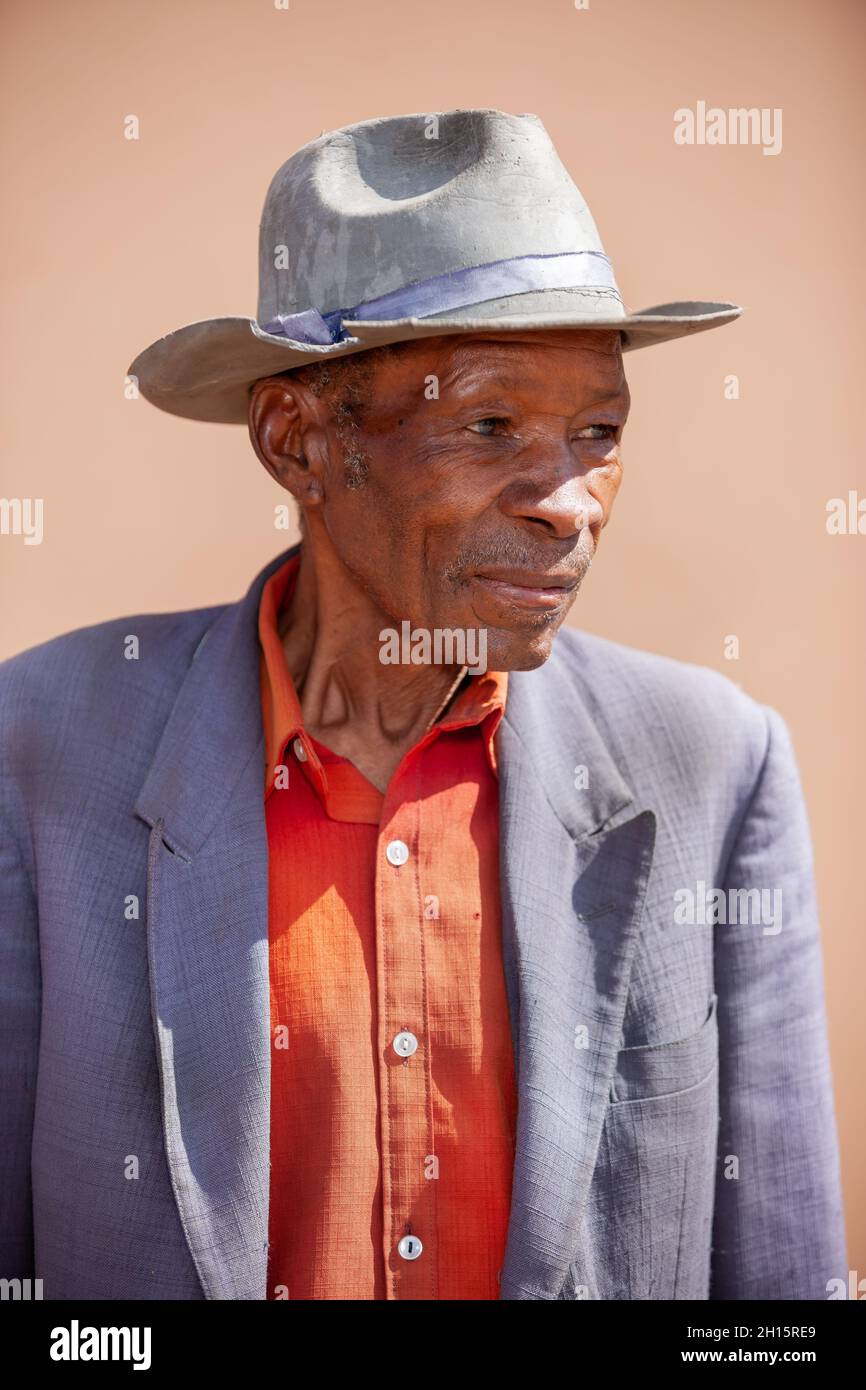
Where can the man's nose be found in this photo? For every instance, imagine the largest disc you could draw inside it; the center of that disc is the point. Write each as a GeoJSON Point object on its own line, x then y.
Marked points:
{"type": "Point", "coordinates": [562, 500]}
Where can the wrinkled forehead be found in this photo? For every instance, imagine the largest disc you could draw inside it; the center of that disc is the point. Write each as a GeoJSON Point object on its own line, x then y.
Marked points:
{"type": "Point", "coordinates": [563, 350]}
{"type": "Point", "coordinates": [573, 361]}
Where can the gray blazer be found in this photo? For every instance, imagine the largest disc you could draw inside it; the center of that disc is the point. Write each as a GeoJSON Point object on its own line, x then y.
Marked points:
{"type": "Point", "coordinates": [676, 1131]}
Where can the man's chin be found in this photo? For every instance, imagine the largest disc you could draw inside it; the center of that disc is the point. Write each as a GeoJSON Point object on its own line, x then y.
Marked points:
{"type": "Point", "coordinates": [508, 650]}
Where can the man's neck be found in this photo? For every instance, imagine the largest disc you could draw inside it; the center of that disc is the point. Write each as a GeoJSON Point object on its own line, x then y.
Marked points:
{"type": "Point", "coordinates": [366, 711]}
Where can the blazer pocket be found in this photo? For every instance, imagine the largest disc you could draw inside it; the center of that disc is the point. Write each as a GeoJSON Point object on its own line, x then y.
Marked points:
{"type": "Point", "coordinates": [661, 1069]}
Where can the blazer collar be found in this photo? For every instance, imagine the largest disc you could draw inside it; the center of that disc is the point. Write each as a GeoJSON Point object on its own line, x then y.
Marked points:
{"type": "Point", "coordinates": [547, 716]}
{"type": "Point", "coordinates": [214, 729]}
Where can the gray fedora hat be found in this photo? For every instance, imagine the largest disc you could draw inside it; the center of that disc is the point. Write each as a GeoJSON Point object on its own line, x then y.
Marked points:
{"type": "Point", "coordinates": [409, 227]}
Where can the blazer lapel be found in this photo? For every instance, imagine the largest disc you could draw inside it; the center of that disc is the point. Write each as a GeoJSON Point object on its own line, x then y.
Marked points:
{"type": "Point", "coordinates": [575, 864]}
{"type": "Point", "coordinates": [207, 932]}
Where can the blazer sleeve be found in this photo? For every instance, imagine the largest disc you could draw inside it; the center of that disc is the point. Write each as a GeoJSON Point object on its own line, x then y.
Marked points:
{"type": "Point", "coordinates": [20, 1001]}
{"type": "Point", "coordinates": [778, 1221]}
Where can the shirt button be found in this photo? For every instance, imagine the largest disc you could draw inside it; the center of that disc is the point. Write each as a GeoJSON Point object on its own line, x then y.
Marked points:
{"type": "Point", "coordinates": [405, 1044]}
{"type": "Point", "coordinates": [410, 1247]}
{"type": "Point", "coordinates": [397, 853]}
{"type": "Point", "coordinates": [300, 751]}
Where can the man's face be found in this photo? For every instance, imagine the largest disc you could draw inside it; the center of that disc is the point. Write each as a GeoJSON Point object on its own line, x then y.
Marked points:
{"type": "Point", "coordinates": [490, 465]}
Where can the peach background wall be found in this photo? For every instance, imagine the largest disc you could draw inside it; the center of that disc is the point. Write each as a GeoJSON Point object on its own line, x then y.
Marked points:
{"type": "Point", "coordinates": [720, 526]}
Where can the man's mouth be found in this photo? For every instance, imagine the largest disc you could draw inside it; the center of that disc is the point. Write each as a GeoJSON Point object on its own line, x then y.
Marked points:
{"type": "Point", "coordinates": [528, 589]}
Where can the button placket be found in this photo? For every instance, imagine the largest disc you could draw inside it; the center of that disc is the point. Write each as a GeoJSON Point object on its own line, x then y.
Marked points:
{"type": "Point", "coordinates": [407, 1194]}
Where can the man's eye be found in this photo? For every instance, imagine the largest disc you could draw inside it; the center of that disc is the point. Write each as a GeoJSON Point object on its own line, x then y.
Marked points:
{"type": "Point", "coordinates": [604, 432]}
{"type": "Point", "coordinates": [488, 420]}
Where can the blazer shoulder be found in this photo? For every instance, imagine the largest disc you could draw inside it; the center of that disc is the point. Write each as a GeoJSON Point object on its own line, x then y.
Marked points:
{"type": "Point", "coordinates": [124, 668]}
{"type": "Point", "coordinates": [646, 701]}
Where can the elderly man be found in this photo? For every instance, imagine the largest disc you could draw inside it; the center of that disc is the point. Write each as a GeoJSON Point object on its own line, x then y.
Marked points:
{"type": "Point", "coordinates": [330, 973]}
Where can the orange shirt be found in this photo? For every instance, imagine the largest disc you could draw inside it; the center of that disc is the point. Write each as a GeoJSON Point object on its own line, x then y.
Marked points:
{"type": "Point", "coordinates": [393, 1100]}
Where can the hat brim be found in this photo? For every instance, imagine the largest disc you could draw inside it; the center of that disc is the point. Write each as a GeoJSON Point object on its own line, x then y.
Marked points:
{"type": "Point", "coordinates": [204, 371]}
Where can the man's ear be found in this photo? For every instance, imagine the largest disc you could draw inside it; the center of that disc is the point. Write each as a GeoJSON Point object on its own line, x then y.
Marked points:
{"type": "Point", "coordinates": [286, 433]}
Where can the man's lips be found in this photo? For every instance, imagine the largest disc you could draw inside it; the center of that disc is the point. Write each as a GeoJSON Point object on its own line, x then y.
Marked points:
{"type": "Point", "coordinates": [527, 588]}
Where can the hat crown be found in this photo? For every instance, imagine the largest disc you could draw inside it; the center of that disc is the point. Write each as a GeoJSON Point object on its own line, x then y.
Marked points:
{"type": "Point", "coordinates": [369, 208]}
